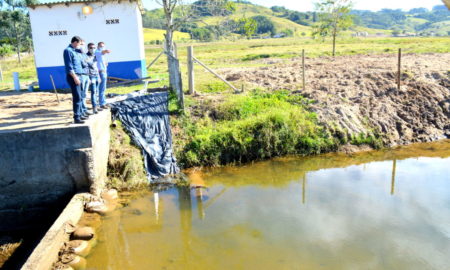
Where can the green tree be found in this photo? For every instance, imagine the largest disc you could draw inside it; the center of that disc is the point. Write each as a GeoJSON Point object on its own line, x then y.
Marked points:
{"type": "Point", "coordinates": [334, 16]}
{"type": "Point", "coordinates": [264, 25]}
{"type": "Point", "coordinates": [15, 23]}
{"type": "Point", "coordinates": [246, 26]}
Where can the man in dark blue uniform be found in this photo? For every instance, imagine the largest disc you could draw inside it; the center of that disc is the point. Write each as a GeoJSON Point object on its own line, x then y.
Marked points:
{"type": "Point", "coordinates": [72, 63]}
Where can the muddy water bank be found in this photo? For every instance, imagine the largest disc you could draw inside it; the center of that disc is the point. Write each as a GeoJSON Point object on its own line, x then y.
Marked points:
{"type": "Point", "coordinates": [374, 210]}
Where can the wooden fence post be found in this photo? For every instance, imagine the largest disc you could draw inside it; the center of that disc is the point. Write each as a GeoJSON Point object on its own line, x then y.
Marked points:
{"type": "Point", "coordinates": [190, 65]}
{"type": "Point", "coordinates": [303, 68]}
{"type": "Point", "coordinates": [175, 50]}
{"type": "Point", "coordinates": [399, 68]}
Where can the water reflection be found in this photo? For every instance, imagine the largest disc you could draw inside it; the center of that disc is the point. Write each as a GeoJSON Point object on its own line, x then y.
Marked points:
{"type": "Point", "coordinates": [394, 165]}
{"type": "Point", "coordinates": [378, 210]}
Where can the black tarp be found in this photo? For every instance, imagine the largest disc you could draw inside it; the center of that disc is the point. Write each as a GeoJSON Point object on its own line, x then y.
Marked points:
{"type": "Point", "coordinates": [146, 118]}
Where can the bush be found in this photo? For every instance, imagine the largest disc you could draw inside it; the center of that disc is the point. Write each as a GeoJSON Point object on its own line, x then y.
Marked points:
{"type": "Point", "coordinates": [264, 25]}
{"type": "Point", "coordinates": [253, 127]}
{"type": "Point", "coordinates": [202, 34]}
{"type": "Point", "coordinates": [288, 32]}
{"type": "Point", "coordinates": [5, 50]}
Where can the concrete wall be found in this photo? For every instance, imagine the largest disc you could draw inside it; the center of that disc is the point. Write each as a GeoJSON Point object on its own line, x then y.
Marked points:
{"type": "Point", "coordinates": [42, 168]}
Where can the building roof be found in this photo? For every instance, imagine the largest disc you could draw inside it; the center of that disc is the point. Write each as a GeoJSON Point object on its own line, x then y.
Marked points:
{"type": "Point", "coordinates": [50, 3]}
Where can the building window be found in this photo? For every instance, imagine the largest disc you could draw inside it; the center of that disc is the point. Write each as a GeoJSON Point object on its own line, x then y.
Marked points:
{"type": "Point", "coordinates": [112, 21]}
{"type": "Point", "coordinates": [58, 33]}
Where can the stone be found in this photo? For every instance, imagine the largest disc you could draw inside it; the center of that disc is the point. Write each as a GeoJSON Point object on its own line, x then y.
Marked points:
{"type": "Point", "coordinates": [74, 261]}
{"type": "Point", "coordinates": [83, 233]}
{"type": "Point", "coordinates": [80, 247]}
{"type": "Point", "coordinates": [110, 195]}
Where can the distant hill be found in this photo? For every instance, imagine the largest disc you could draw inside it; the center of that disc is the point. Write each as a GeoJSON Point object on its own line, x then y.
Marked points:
{"type": "Point", "coordinates": [420, 21]}
{"type": "Point", "coordinates": [285, 22]}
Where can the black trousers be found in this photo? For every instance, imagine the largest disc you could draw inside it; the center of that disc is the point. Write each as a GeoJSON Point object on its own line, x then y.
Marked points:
{"type": "Point", "coordinates": [76, 97]}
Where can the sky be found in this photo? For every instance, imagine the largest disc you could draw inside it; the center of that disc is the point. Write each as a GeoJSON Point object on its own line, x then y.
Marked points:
{"type": "Point", "coordinates": [308, 5]}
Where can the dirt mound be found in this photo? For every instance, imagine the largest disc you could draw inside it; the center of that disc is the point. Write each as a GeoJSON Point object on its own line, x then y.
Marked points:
{"type": "Point", "coordinates": [358, 94]}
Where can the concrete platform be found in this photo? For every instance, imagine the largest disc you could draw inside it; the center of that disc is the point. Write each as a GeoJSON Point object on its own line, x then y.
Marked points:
{"type": "Point", "coordinates": [44, 159]}
{"type": "Point", "coordinates": [21, 111]}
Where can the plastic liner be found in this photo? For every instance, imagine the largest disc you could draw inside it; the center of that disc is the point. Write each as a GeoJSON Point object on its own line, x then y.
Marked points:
{"type": "Point", "coordinates": [146, 118]}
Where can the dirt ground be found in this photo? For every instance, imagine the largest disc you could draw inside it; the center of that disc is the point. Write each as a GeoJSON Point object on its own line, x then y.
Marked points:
{"type": "Point", "coordinates": [34, 110]}
{"type": "Point", "coordinates": [359, 93]}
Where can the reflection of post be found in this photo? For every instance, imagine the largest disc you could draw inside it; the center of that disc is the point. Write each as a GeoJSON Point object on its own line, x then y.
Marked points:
{"type": "Point", "coordinates": [304, 189]}
{"type": "Point", "coordinates": [156, 202]}
{"type": "Point", "coordinates": [184, 201]}
{"type": "Point", "coordinates": [394, 165]}
{"type": "Point", "coordinates": [199, 195]}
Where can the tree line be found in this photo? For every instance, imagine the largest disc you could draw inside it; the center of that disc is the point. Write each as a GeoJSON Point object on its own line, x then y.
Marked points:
{"type": "Point", "coordinates": [15, 30]}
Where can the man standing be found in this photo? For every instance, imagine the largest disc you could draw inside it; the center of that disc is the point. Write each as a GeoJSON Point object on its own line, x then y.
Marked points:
{"type": "Point", "coordinates": [72, 63]}
{"type": "Point", "coordinates": [102, 65]}
{"type": "Point", "coordinates": [94, 77]}
{"type": "Point", "coordinates": [84, 78]}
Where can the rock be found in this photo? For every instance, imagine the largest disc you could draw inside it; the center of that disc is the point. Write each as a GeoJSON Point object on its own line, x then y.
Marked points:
{"type": "Point", "coordinates": [61, 266]}
{"type": "Point", "coordinates": [74, 261]}
{"type": "Point", "coordinates": [83, 233]}
{"type": "Point", "coordinates": [110, 195]}
{"type": "Point", "coordinates": [96, 207]}
{"type": "Point", "coordinates": [80, 247]}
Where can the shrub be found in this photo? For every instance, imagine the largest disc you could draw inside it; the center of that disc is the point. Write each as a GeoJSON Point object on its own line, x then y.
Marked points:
{"type": "Point", "coordinates": [253, 127]}
{"type": "Point", "coordinates": [5, 50]}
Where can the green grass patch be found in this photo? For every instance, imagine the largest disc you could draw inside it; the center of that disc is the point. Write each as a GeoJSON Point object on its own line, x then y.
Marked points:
{"type": "Point", "coordinates": [253, 127]}
{"type": "Point", "coordinates": [213, 87]}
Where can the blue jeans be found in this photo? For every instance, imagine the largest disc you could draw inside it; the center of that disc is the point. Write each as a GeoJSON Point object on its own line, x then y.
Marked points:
{"type": "Point", "coordinates": [95, 82]}
{"type": "Point", "coordinates": [102, 89]}
{"type": "Point", "coordinates": [76, 97]}
{"type": "Point", "coordinates": [84, 88]}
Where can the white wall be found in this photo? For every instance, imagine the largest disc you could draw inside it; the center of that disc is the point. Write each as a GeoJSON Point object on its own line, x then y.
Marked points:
{"type": "Point", "coordinates": [124, 39]}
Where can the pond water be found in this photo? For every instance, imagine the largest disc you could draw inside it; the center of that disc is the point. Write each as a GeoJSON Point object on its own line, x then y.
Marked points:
{"type": "Point", "coordinates": [376, 210]}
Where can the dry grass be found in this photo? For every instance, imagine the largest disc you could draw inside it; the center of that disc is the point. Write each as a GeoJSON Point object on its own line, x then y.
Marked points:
{"type": "Point", "coordinates": [7, 247]}
{"type": "Point", "coordinates": [125, 163]}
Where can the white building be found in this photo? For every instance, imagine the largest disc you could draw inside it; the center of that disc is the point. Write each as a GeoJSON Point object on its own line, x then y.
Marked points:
{"type": "Point", "coordinates": [117, 23]}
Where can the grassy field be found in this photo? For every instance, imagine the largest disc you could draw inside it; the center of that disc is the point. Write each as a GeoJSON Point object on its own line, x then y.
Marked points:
{"type": "Point", "coordinates": [151, 35]}
{"type": "Point", "coordinates": [240, 54]}
{"type": "Point", "coordinates": [246, 53]}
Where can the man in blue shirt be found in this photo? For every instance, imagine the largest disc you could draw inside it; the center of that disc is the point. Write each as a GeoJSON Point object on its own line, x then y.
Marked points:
{"type": "Point", "coordinates": [102, 65]}
{"type": "Point", "coordinates": [72, 63]}
{"type": "Point", "coordinates": [84, 79]}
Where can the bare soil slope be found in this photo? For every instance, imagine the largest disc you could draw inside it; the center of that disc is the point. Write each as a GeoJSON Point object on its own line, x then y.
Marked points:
{"type": "Point", "coordinates": [358, 94]}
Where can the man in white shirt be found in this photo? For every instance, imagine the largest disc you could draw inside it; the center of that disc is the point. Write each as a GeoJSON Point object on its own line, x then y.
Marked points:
{"type": "Point", "coordinates": [102, 65]}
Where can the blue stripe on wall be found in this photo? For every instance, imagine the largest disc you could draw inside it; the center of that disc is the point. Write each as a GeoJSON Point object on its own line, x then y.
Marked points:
{"type": "Point", "coordinates": [126, 70]}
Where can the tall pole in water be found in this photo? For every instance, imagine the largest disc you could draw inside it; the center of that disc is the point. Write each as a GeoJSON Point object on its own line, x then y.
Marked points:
{"type": "Point", "coordinates": [185, 209]}
{"type": "Point", "coordinates": [394, 165]}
